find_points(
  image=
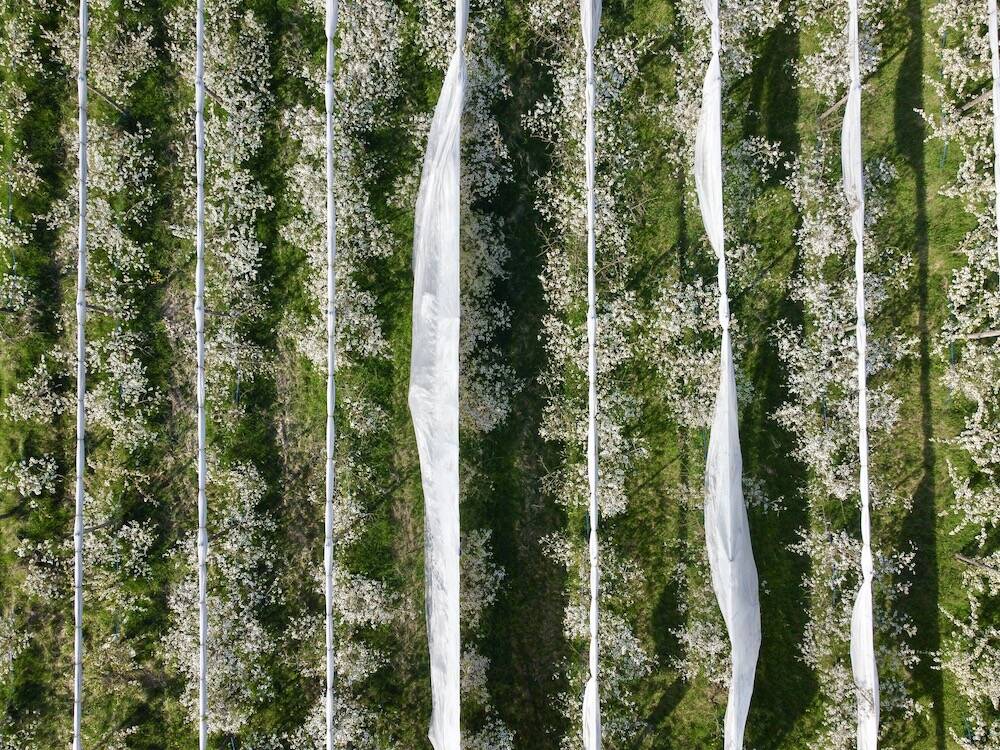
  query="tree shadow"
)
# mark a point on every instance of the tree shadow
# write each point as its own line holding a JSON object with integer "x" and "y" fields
{"x": 919, "y": 525}
{"x": 666, "y": 617}
{"x": 785, "y": 686}
{"x": 523, "y": 631}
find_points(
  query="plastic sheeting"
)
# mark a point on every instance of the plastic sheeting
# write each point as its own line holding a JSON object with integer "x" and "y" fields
{"x": 81, "y": 382}
{"x": 433, "y": 395}
{"x": 590, "y": 22}
{"x": 995, "y": 66}
{"x": 727, "y": 531}
{"x": 331, "y": 367}
{"x": 199, "y": 322}
{"x": 862, "y": 636}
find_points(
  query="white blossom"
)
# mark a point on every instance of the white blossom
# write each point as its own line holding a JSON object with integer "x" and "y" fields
{"x": 971, "y": 651}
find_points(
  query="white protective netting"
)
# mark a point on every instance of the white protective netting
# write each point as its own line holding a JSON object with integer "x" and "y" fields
{"x": 727, "y": 530}
{"x": 81, "y": 384}
{"x": 995, "y": 69}
{"x": 331, "y": 366}
{"x": 433, "y": 394}
{"x": 590, "y": 21}
{"x": 862, "y": 635}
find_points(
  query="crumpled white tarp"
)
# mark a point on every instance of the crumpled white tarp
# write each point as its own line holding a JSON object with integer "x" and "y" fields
{"x": 995, "y": 67}
{"x": 862, "y": 637}
{"x": 727, "y": 531}
{"x": 590, "y": 22}
{"x": 81, "y": 381}
{"x": 434, "y": 387}
{"x": 331, "y": 367}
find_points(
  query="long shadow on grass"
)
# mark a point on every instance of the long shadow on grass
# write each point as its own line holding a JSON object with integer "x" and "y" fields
{"x": 151, "y": 104}
{"x": 525, "y": 641}
{"x": 657, "y": 531}
{"x": 666, "y": 618}
{"x": 784, "y": 685}
{"x": 919, "y": 526}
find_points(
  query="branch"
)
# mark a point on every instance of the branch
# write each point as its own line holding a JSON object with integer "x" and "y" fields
{"x": 976, "y": 102}
{"x": 99, "y": 526}
{"x": 16, "y": 510}
{"x": 983, "y": 335}
{"x": 219, "y": 313}
{"x": 121, "y": 110}
{"x": 833, "y": 108}
{"x": 864, "y": 81}
{"x": 98, "y": 308}
{"x": 216, "y": 98}
{"x": 976, "y": 564}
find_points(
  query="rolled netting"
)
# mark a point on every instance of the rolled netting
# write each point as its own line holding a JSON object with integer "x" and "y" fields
{"x": 331, "y": 365}
{"x": 81, "y": 381}
{"x": 995, "y": 69}
{"x": 199, "y": 318}
{"x": 862, "y": 635}
{"x": 727, "y": 530}
{"x": 433, "y": 396}
{"x": 590, "y": 20}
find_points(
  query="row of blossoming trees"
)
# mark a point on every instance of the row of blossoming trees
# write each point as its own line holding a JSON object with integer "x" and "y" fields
{"x": 664, "y": 651}
{"x": 264, "y": 311}
{"x": 819, "y": 354}
{"x": 126, "y": 396}
{"x": 968, "y": 341}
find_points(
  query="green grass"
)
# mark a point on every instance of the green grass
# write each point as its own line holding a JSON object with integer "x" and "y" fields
{"x": 524, "y": 636}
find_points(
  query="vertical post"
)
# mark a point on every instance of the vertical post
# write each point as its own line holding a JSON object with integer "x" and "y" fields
{"x": 199, "y": 318}
{"x": 81, "y": 382}
{"x": 858, "y": 207}
{"x": 592, "y": 441}
{"x": 995, "y": 69}
{"x": 590, "y": 11}
{"x": 331, "y": 366}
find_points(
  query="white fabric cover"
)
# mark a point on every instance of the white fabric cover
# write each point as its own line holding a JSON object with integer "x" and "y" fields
{"x": 590, "y": 22}
{"x": 727, "y": 531}
{"x": 995, "y": 67}
{"x": 862, "y": 638}
{"x": 199, "y": 321}
{"x": 433, "y": 395}
{"x": 331, "y": 366}
{"x": 81, "y": 382}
